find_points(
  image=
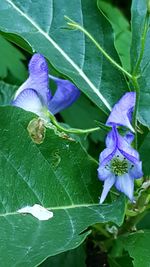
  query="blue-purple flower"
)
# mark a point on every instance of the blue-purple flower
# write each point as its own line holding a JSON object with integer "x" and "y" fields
{"x": 34, "y": 94}
{"x": 119, "y": 163}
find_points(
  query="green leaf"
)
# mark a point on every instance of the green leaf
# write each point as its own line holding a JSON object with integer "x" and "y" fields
{"x": 144, "y": 153}
{"x": 70, "y": 52}
{"x": 139, "y": 10}
{"x": 137, "y": 245}
{"x": 121, "y": 29}
{"x": 18, "y": 40}
{"x": 59, "y": 175}
{"x": 123, "y": 261}
{"x": 11, "y": 60}
{"x": 72, "y": 258}
{"x": 6, "y": 93}
{"x": 144, "y": 223}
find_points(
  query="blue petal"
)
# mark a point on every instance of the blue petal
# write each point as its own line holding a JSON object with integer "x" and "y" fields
{"x": 38, "y": 78}
{"x": 122, "y": 111}
{"x": 111, "y": 139}
{"x": 125, "y": 148}
{"x": 111, "y": 144}
{"x": 107, "y": 186}
{"x": 129, "y": 137}
{"x": 125, "y": 184}
{"x": 136, "y": 172}
{"x": 29, "y": 100}
{"x": 103, "y": 172}
{"x": 65, "y": 95}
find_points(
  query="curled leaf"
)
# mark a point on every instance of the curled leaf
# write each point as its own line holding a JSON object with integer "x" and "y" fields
{"x": 36, "y": 129}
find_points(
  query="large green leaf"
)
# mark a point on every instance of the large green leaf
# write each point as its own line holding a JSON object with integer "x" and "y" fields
{"x": 59, "y": 175}
{"x": 139, "y": 10}
{"x": 137, "y": 245}
{"x": 43, "y": 26}
{"x": 11, "y": 60}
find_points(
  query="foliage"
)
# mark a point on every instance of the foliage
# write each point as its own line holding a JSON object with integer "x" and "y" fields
{"x": 49, "y": 162}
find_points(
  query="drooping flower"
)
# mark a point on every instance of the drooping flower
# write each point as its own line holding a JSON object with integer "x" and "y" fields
{"x": 121, "y": 113}
{"x": 119, "y": 164}
{"x": 34, "y": 94}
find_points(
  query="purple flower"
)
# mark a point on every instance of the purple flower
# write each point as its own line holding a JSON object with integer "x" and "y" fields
{"x": 34, "y": 94}
{"x": 119, "y": 164}
{"x": 121, "y": 113}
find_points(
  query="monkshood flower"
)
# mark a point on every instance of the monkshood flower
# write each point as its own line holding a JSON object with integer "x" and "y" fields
{"x": 34, "y": 94}
{"x": 119, "y": 164}
{"x": 121, "y": 113}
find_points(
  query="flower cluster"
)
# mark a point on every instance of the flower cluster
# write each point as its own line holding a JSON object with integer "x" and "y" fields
{"x": 119, "y": 163}
{"x": 34, "y": 94}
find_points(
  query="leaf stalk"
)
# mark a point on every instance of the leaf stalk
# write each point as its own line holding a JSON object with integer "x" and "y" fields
{"x": 71, "y": 130}
{"x": 77, "y": 26}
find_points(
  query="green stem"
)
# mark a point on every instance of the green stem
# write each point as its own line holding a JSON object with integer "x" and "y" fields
{"x": 79, "y": 27}
{"x": 71, "y": 130}
{"x": 131, "y": 223}
{"x": 138, "y": 211}
{"x": 137, "y": 90}
{"x": 100, "y": 228}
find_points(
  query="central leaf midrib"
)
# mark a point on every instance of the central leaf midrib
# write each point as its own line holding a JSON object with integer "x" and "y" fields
{"x": 54, "y": 208}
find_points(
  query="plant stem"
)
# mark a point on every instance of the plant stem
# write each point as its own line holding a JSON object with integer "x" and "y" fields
{"x": 137, "y": 90}
{"x": 71, "y": 130}
{"x": 131, "y": 223}
{"x": 139, "y": 210}
{"x": 100, "y": 228}
{"x": 111, "y": 60}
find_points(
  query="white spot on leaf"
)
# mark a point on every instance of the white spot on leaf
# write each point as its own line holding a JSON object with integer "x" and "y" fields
{"x": 37, "y": 211}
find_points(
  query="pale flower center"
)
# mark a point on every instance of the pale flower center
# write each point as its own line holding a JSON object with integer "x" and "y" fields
{"x": 119, "y": 166}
